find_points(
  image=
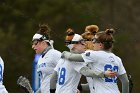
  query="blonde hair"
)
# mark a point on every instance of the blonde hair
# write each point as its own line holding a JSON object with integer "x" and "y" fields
{"x": 88, "y": 35}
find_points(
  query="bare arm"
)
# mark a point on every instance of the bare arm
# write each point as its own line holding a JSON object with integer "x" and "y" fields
{"x": 125, "y": 83}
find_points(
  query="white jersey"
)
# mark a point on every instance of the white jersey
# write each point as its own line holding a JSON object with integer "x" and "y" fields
{"x": 102, "y": 61}
{"x": 68, "y": 76}
{"x": 90, "y": 84}
{"x": 45, "y": 68}
{"x": 2, "y": 87}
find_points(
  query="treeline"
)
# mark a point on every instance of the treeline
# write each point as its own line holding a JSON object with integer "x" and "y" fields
{"x": 19, "y": 20}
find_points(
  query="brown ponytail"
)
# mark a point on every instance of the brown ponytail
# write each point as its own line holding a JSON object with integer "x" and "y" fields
{"x": 44, "y": 30}
{"x": 70, "y": 34}
{"x": 110, "y": 31}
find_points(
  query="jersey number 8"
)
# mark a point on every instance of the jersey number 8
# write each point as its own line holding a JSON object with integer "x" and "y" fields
{"x": 62, "y": 73}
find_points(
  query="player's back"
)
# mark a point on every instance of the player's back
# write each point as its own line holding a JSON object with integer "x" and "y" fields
{"x": 68, "y": 76}
{"x": 108, "y": 61}
{"x": 103, "y": 61}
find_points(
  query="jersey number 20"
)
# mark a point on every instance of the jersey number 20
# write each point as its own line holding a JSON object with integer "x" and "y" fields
{"x": 112, "y": 68}
{"x": 62, "y": 73}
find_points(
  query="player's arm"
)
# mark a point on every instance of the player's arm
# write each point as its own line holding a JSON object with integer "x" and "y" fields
{"x": 53, "y": 81}
{"x": 72, "y": 56}
{"x": 125, "y": 83}
{"x": 91, "y": 73}
{"x": 85, "y": 70}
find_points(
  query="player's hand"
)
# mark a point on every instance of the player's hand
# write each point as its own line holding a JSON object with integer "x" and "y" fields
{"x": 110, "y": 73}
{"x": 78, "y": 91}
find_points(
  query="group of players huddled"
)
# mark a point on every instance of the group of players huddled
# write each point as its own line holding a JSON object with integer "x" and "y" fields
{"x": 90, "y": 54}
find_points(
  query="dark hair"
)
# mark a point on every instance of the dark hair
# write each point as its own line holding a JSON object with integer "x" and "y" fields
{"x": 44, "y": 30}
{"x": 106, "y": 38}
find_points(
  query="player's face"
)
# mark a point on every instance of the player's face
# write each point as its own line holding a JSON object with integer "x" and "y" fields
{"x": 97, "y": 45}
{"x": 37, "y": 46}
{"x": 79, "y": 48}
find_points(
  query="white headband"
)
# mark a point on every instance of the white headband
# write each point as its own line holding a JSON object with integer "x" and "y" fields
{"x": 76, "y": 37}
{"x": 37, "y": 36}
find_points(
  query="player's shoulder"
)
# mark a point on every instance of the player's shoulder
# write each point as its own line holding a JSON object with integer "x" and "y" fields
{"x": 118, "y": 59}
{"x": 54, "y": 50}
{"x": 88, "y": 52}
{"x": 1, "y": 59}
{"x": 92, "y": 52}
{"x": 60, "y": 62}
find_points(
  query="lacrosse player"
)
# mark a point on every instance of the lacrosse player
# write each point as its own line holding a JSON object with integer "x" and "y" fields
{"x": 68, "y": 74}
{"x": 88, "y": 35}
{"x": 42, "y": 44}
{"x": 103, "y": 59}
{"x": 2, "y": 87}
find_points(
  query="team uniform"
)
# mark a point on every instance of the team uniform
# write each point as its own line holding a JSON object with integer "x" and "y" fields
{"x": 2, "y": 87}
{"x": 102, "y": 61}
{"x": 45, "y": 68}
{"x": 90, "y": 84}
{"x": 68, "y": 76}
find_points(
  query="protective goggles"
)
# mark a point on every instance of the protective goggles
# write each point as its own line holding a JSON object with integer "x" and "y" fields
{"x": 67, "y": 42}
{"x": 95, "y": 40}
{"x": 35, "y": 42}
